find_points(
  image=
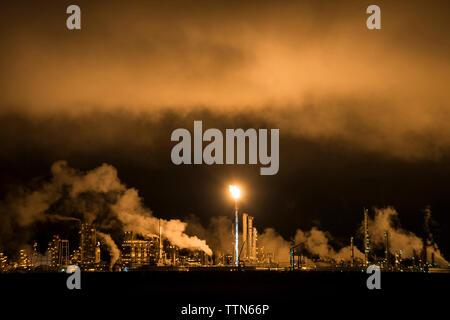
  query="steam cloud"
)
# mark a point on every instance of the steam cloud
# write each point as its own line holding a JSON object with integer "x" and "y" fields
{"x": 96, "y": 197}
{"x": 317, "y": 242}
{"x": 400, "y": 239}
{"x": 112, "y": 247}
{"x": 217, "y": 233}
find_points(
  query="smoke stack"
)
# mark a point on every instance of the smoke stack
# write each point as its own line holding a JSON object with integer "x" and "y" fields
{"x": 254, "y": 238}
{"x": 250, "y": 237}
{"x": 386, "y": 248}
{"x": 366, "y": 238}
{"x": 424, "y": 252}
{"x": 244, "y": 235}
{"x": 160, "y": 244}
{"x": 352, "y": 261}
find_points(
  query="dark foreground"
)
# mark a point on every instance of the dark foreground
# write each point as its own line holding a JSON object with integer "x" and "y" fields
{"x": 287, "y": 293}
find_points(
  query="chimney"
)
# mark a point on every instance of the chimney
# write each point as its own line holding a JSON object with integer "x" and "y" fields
{"x": 250, "y": 237}
{"x": 366, "y": 238}
{"x": 254, "y": 238}
{"x": 386, "y": 248}
{"x": 244, "y": 235}
{"x": 160, "y": 243}
{"x": 352, "y": 261}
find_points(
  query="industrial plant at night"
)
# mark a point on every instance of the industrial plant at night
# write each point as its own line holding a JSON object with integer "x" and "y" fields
{"x": 140, "y": 253}
{"x": 238, "y": 159}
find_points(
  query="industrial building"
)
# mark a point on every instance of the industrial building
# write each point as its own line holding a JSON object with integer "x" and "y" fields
{"x": 89, "y": 247}
{"x": 249, "y": 239}
{"x": 58, "y": 252}
{"x": 138, "y": 253}
{"x": 155, "y": 252}
{"x": 388, "y": 260}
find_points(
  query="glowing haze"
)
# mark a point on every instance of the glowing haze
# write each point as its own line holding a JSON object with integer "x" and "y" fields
{"x": 313, "y": 69}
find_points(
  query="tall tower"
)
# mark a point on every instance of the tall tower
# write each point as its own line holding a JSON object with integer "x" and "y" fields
{"x": 244, "y": 235}
{"x": 424, "y": 252}
{"x": 366, "y": 238}
{"x": 250, "y": 237}
{"x": 160, "y": 255}
{"x": 63, "y": 254}
{"x": 88, "y": 244}
{"x": 386, "y": 248}
{"x": 352, "y": 261}
{"x": 236, "y": 234}
{"x": 254, "y": 238}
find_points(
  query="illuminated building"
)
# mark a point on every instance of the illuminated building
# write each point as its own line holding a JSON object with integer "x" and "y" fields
{"x": 24, "y": 260}
{"x": 138, "y": 253}
{"x": 35, "y": 257}
{"x": 89, "y": 254}
{"x": 3, "y": 261}
{"x": 161, "y": 257}
{"x": 250, "y": 236}
{"x": 254, "y": 239}
{"x": 244, "y": 254}
{"x": 75, "y": 257}
{"x": 58, "y": 250}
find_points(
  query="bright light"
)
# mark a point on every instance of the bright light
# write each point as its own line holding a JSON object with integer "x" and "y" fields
{"x": 235, "y": 192}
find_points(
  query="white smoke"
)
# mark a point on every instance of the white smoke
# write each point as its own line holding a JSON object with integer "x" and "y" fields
{"x": 124, "y": 204}
{"x": 112, "y": 247}
{"x": 400, "y": 239}
{"x": 139, "y": 219}
{"x": 317, "y": 243}
{"x": 274, "y": 243}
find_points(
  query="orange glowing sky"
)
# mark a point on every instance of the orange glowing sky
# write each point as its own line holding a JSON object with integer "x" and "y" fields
{"x": 307, "y": 67}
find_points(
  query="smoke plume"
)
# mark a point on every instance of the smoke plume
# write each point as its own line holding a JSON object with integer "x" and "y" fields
{"x": 217, "y": 233}
{"x": 139, "y": 219}
{"x": 400, "y": 239}
{"x": 96, "y": 197}
{"x": 112, "y": 247}
{"x": 273, "y": 242}
{"x": 317, "y": 243}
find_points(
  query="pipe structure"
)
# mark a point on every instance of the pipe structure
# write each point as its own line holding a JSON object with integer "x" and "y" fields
{"x": 386, "y": 248}
{"x": 244, "y": 235}
{"x": 366, "y": 238}
{"x": 254, "y": 238}
{"x": 236, "y": 233}
{"x": 352, "y": 261}
{"x": 160, "y": 258}
{"x": 250, "y": 237}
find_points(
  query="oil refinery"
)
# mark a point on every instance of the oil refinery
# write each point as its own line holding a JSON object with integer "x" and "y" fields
{"x": 156, "y": 252}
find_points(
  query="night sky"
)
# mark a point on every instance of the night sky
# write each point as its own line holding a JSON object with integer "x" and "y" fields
{"x": 363, "y": 115}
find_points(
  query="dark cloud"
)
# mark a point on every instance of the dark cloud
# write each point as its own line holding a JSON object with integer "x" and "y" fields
{"x": 313, "y": 68}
